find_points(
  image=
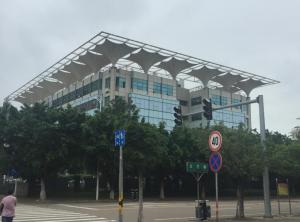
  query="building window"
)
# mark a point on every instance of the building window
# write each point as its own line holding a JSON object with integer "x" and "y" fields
{"x": 120, "y": 82}
{"x": 106, "y": 100}
{"x": 183, "y": 102}
{"x": 197, "y": 116}
{"x": 167, "y": 89}
{"x": 215, "y": 99}
{"x": 87, "y": 89}
{"x": 235, "y": 101}
{"x": 196, "y": 101}
{"x": 72, "y": 95}
{"x": 139, "y": 84}
{"x": 97, "y": 84}
{"x": 79, "y": 92}
{"x": 107, "y": 83}
{"x": 157, "y": 87}
{"x": 224, "y": 101}
{"x": 92, "y": 104}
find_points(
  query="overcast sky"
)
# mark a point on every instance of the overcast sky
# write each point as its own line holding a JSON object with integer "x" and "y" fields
{"x": 258, "y": 36}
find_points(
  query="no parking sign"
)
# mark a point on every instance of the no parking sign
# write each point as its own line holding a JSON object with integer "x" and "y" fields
{"x": 215, "y": 162}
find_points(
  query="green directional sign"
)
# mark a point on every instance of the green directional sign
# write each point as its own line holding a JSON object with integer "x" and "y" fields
{"x": 192, "y": 167}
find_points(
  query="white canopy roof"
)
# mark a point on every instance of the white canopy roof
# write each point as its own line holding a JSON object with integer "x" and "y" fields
{"x": 22, "y": 100}
{"x": 175, "y": 66}
{"x": 94, "y": 61}
{"x": 39, "y": 92}
{"x": 65, "y": 77}
{"x": 30, "y": 97}
{"x": 50, "y": 86}
{"x": 146, "y": 59}
{"x": 204, "y": 74}
{"x": 120, "y": 52}
{"x": 248, "y": 85}
{"x": 79, "y": 70}
{"x": 232, "y": 89}
{"x": 227, "y": 80}
{"x": 113, "y": 51}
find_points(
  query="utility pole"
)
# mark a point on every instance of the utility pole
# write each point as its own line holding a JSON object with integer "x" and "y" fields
{"x": 266, "y": 181}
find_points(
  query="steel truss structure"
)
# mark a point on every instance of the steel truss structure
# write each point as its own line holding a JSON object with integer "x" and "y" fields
{"x": 105, "y": 50}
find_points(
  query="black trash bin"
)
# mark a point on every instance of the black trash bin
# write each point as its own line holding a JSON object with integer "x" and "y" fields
{"x": 202, "y": 210}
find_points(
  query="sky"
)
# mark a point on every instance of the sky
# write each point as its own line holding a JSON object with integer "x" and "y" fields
{"x": 262, "y": 37}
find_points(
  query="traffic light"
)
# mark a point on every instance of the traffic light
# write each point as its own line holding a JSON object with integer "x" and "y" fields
{"x": 207, "y": 109}
{"x": 178, "y": 115}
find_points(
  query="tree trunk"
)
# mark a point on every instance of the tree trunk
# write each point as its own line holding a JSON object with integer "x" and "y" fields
{"x": 240, "y": 201}
{"x": 141, "y": 187}
{"x": 97, "y": 182}
{"x": 162, "y": 189}
{"x": 43, "y": 190}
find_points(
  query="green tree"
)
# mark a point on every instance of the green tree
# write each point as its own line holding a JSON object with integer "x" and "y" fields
{"x": 99, "y": 137}
{"x": 242, "y": 159}
{"x": 44, "y": 141}
{"x": 143, "y": 151}
{"x": 188, "y": 144}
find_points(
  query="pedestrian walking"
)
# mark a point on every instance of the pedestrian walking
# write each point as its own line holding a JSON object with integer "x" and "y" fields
{"x": 7, "y": 207}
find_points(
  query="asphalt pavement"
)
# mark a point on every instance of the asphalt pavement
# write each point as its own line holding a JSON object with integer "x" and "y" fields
{"x": 154, "y": 211}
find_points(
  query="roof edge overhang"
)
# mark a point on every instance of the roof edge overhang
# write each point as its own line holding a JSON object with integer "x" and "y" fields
{"x": 130, "y": 65}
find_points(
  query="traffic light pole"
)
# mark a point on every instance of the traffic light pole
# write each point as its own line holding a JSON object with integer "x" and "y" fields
{"x": 266, "y": 182}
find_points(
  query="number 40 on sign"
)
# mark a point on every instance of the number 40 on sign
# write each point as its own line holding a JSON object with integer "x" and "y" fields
{"x": 215, "y": 141}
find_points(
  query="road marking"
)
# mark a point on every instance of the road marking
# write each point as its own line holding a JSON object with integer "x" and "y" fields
{"x": 73, "y": 206}
{"x": 29, "y": 213}
{"x": 174, "y": 218}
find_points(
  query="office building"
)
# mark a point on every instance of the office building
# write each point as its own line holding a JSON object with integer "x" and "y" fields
{"x": 155, "y": 79}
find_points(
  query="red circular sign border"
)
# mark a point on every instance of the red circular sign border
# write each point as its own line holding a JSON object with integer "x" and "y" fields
{"x": 220, "y": 146}
{"x": 220, "y": 166}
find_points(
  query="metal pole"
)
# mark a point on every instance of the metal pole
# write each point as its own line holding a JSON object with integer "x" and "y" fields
{"x": 198, "y": 193}
{"x": 278, "y": 200}
{"x": 97, "y": 181}
{"x": 217, "y": 197}
{"x": 266, "y": 182}
{"x": 287, "y": 182}
{"x": 121, "y": 185}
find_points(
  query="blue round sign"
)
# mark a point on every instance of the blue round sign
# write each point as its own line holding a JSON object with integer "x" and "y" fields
{"x": 215, "y": 162}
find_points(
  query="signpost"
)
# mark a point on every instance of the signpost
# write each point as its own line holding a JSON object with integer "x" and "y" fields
{"x": 197, "y": 169}
{"x": 120, "y": 141}
{"x": 283, "y": 190}
{"x": 215, "y": 161}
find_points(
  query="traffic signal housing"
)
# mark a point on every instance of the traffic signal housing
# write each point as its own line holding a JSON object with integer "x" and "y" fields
{"x": 207, "y": 108}
{"x": 178, "y": 115}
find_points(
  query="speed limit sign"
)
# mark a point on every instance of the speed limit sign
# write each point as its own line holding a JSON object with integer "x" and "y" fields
{"x": 215, "y": 141}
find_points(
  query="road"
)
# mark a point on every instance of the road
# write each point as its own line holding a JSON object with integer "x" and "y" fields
{"x": 172, "y": 211}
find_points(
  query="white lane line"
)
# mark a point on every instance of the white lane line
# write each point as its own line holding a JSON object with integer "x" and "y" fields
{"x": 58, "y": 218}
{"x": 174, "y": 218}
{"x": 73, "y": 206}
{"x": 48, "y": 216}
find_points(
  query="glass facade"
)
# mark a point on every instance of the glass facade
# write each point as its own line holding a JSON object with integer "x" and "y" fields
{"x": 139, "y": 84}
{"x": 155, "y": 110}
{"x": 120, "y": 82}
{"x": 229, "y": 118}
{"x": 77, "y": 93}
{"x": 196, "y": 101}
{"x": 235, "y": 101}
{"x": 107, "y": 83}
{"x": 216, "y": 100}
{"x": 164, "y": 89}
